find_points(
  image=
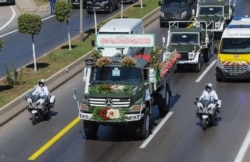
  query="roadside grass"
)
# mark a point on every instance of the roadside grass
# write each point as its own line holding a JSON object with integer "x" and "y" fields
{"x": 58, "y": 58}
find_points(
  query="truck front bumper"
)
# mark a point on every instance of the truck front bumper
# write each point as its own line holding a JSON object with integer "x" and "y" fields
{"x": 221, "y": 73}
{"x": 129, "y": 118}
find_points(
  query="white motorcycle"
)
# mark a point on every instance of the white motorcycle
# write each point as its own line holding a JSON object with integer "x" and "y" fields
{"x": 39, "y": 107}
{"x": 207, "y": 111}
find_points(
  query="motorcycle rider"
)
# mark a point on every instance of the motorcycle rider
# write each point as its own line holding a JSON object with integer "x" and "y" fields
{"x": 209, "y": 94}
{"x": 42, "y": 91}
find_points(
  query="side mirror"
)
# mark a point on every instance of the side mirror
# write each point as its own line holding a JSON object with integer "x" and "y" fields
{"x": 215, "y": 50}
{"x": 159, "y": 3}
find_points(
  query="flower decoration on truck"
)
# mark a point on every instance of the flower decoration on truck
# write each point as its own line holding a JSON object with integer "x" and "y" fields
{"x": 103, "y": 61}
{"x": 105, "y": 113}
{"x": 169, "y": 63}
{"x": 128, "y": 62}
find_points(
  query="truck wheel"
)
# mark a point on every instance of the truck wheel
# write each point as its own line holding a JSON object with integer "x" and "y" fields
{"x": 219, "y": 78}
{"x": 206, "y": 55}
{"x": 143, "y": 127}
{"x": 90, "y": 128}
{"x": 197, "y": 67}
{"x": 163, "y": 106}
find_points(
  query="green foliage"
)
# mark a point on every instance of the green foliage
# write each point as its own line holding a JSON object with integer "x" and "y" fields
{"x": 63, "y": 11}
{"x": 12, "y": 76}
{"x": 29, "y": 23}
{"x": 1, "y": 43}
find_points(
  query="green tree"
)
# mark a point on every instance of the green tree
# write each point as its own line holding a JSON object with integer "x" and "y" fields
{"x": 62, "y": 12}
{"x": 30, "y": 24}
{"x": 1, "y": 43}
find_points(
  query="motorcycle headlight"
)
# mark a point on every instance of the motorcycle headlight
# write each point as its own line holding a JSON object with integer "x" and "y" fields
{"x": 217, "y": 25}
{"x": 191, "y": 55}
{"x": 183, "y": 14}
{"x": 162, "y": 14}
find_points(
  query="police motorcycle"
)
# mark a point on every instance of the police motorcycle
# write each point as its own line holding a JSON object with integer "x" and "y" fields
{"x": 207, "y": 111}
{"x": 39, "y": 106}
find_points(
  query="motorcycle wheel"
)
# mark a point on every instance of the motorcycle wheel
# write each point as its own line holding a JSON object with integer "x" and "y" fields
{"x": 204, "y": 124}
{"x": 33, "y": 119}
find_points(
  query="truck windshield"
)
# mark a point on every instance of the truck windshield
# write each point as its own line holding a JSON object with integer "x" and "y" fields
{"x": 211, "y": 11}
{"x": 184, "y": 39}
{"x": 235, "y": 45}
{"x": 119, "y": 75}
{"x": 175, "y": 2}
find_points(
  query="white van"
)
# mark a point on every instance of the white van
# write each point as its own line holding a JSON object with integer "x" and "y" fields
{"x": 122, "y": 26}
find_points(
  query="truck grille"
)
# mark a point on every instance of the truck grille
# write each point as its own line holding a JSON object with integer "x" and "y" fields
{"x": 109, "y": 102}
{"x": 235, "y": 68}
{"x": 184, "y": 55}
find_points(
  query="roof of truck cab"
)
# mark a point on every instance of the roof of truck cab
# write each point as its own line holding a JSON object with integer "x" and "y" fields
{"x": 185, "y": 30}
{"x": 120, "y": 25}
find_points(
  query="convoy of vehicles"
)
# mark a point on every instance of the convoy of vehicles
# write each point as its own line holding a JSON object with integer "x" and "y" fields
{"x": 192, "y": 43}
{"x": 234, "y": 51}
{"x": 174, "y": 10}
{"x": 220, "y": 12}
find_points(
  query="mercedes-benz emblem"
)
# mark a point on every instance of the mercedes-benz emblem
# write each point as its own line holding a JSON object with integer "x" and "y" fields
{"x": 108, "y": 102}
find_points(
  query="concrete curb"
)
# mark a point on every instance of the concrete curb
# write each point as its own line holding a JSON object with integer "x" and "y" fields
{"x": 19, "y": 105}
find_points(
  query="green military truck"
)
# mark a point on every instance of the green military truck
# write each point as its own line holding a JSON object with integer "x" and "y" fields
{"x": 193, "y": 43}
{"x": 123, "y": 89}
{"x": 220, "y": 12}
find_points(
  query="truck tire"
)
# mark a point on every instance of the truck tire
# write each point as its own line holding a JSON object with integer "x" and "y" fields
{"x": 206, "y": 55}
{"x": 163, "y": 104}
{"x": 90, "y": 129}
{"x": 143, "y": 126}
{"x": 197, "y": 67}
{"x": 219, "y": 78}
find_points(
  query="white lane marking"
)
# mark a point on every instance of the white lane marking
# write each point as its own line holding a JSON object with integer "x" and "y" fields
{"x": 17, "y": 30}
{"x": 164, "y": 120}
{"x": 11, "y": 19}
{"x": 205, "y": 71}
{"x": 243, "y": 148}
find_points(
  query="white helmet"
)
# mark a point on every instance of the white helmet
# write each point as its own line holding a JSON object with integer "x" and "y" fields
{"x": 209, "y": 86}
{"x": 41, "y": 82}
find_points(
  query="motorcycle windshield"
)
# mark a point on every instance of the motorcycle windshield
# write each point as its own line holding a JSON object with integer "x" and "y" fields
{"x": 205, "y": 103}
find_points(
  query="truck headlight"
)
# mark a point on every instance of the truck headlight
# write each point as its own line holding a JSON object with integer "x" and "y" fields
{"x": 183, "y": 14}
{"x": 162, "y": 14}
{"x": 219, "y": 64}
{"x": 217, "y": 25}
{"x": 191, "y": 55}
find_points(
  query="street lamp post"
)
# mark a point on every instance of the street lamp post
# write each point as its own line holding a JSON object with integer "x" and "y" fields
{"x": 81, "y": 21}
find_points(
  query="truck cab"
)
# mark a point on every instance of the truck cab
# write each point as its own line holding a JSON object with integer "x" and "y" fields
{"x": 192, "y": 43}
{"x": 121, "y": 26}
{"x": 219, "y": 11}
{"x": 176, "y": 10}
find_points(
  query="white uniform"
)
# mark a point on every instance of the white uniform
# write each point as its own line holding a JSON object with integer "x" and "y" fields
{"x": 212, "y": 95}
{"x": 42, "y": 91}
